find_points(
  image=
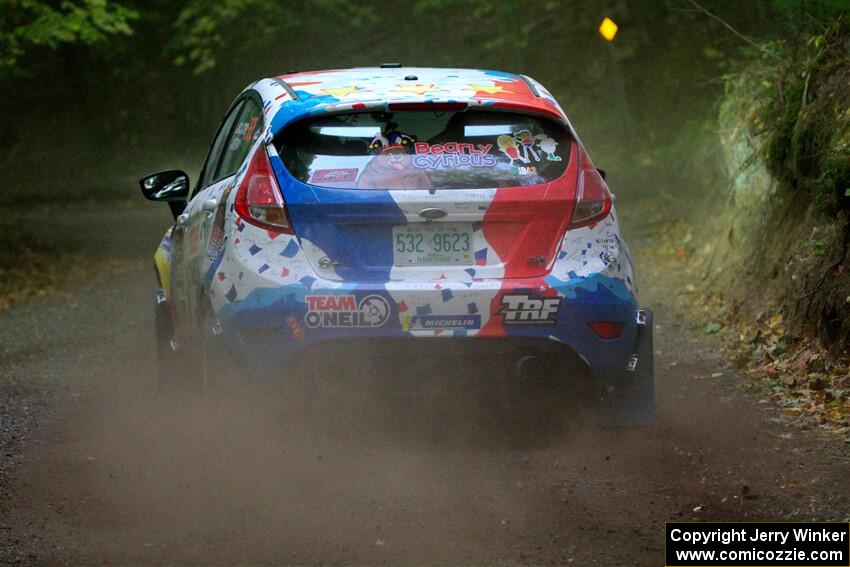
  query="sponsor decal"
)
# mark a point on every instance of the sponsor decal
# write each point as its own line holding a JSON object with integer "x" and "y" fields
{"x": 523, "y": 309}
{"x": 451, "y": 148}
{"x": 522, "y": 170}
{"x": 438, "y": 322}
{"x": 194, "y": 239}
{"x": 339, "y": 175}
{"x": 216, "y": 242}
{"x": 245, "y": 132}
{"x": 249, "y": 131}
{"x": 344, "y": 311}
{"x": 452, "y": 154}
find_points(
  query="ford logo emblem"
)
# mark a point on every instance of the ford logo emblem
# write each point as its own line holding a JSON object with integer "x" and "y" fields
{"x": 432, "y": 213}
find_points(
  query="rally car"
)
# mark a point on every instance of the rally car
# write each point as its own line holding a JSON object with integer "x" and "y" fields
{"x": 392, "y": 207}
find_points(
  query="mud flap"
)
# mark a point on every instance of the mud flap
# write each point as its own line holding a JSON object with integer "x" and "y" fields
{"x": 630, "y": 402}
{"x": 166, "y": 358}
{"x": 181, "y": 362}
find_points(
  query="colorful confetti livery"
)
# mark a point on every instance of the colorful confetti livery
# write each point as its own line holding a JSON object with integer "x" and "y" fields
{"x": 277, "y": 257}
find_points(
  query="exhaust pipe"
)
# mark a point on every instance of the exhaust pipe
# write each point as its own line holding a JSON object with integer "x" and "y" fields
{"x": 530, "y": 369}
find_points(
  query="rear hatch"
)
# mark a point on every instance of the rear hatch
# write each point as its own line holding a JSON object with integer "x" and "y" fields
{"x": 413, "y": 194}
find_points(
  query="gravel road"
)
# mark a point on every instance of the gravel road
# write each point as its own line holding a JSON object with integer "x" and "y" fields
{"x": 96, "y": 468}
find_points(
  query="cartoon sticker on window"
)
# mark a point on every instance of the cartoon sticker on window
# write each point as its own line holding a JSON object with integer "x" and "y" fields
{"x": 508, "y": 146}
{"x": 548, "y": 145}
{"x": 526, "y": 143}
{"x": 391, "y": 141}
{"x": 392, "y": 167}
{"x": 523, "y": 147}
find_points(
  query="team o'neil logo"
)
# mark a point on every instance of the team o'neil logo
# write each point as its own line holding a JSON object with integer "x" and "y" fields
{"x": 522, "y": 309}
{"x": 344, "y": 311}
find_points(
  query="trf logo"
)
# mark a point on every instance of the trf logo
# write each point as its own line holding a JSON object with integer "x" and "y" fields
{"x": 522, "y": 309}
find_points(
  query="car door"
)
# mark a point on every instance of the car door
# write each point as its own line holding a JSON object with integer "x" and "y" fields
{"x": 187, "y": 235}
{"x": 204, "y": 206}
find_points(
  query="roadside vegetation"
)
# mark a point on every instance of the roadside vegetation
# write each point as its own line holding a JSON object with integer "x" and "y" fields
{"x": 767, "y": 267}
{"x": 29, "y": 270}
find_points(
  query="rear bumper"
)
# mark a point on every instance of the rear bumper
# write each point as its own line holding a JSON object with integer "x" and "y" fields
{"x": 272, "y": 325}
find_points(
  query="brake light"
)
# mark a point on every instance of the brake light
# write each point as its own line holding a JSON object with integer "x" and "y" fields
{"x": 259, "y": 200}
{"x": 593, "y": 200}
{"x": 399, "y": 106}
{"x": 607, "y": 330}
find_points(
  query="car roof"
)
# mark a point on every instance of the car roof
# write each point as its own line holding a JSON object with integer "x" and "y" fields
{"x": 292, "y": 96}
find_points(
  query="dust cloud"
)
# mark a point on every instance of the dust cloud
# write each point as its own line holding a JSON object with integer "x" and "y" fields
{"x": 351, "y": 457}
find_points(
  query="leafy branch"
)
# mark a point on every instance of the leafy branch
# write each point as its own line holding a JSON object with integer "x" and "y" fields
{"x": 726, "y": 24}
{"x": 26, "y": 24}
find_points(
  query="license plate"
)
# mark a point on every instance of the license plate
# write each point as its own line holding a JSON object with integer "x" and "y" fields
{"x": 432, "y": 244}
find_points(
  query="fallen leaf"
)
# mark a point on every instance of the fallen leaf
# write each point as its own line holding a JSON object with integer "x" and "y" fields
{"x": 712, "y": 328}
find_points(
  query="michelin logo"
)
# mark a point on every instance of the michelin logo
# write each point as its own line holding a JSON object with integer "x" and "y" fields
{"x": 432, "y": 322}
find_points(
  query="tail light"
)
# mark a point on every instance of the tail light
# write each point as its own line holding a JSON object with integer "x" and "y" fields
{"x": 259, "y": 200}
{"x": 593, "y": 200}
{"x": 607, "y": 330}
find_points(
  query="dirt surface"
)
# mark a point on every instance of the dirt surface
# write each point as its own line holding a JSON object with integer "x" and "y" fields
{"x": 97, "y": 468}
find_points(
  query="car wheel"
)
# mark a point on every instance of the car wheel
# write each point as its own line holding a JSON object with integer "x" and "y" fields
{"x": 632, "y": 403}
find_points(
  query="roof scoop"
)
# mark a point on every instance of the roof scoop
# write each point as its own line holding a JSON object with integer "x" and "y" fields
{"x": 390, "y": 66}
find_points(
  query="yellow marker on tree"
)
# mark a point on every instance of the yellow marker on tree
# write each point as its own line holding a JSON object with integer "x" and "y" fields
{"x": 608, "y": 29}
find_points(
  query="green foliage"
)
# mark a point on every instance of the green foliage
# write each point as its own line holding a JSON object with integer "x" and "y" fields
{"x": 818, "y": 246}
{"x": 29, "y": 269}
{"x": 207, "y": 28}
{"x": 25, "y": 24}
{"x": 808, "y": 119}
{"x": 816, "y": 8}
{"x": 789, "y": 121}
{"x": 501, "y": 25}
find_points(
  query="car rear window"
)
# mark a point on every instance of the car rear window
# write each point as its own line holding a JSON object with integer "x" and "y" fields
{"x": 425, "y": 150}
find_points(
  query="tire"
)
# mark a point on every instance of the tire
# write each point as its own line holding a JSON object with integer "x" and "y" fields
{"x": 632, "y": 403}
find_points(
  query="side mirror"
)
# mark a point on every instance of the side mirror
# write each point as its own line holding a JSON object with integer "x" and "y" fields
{"x": 171, "y": 185}
{"x": 602, "y": 173}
